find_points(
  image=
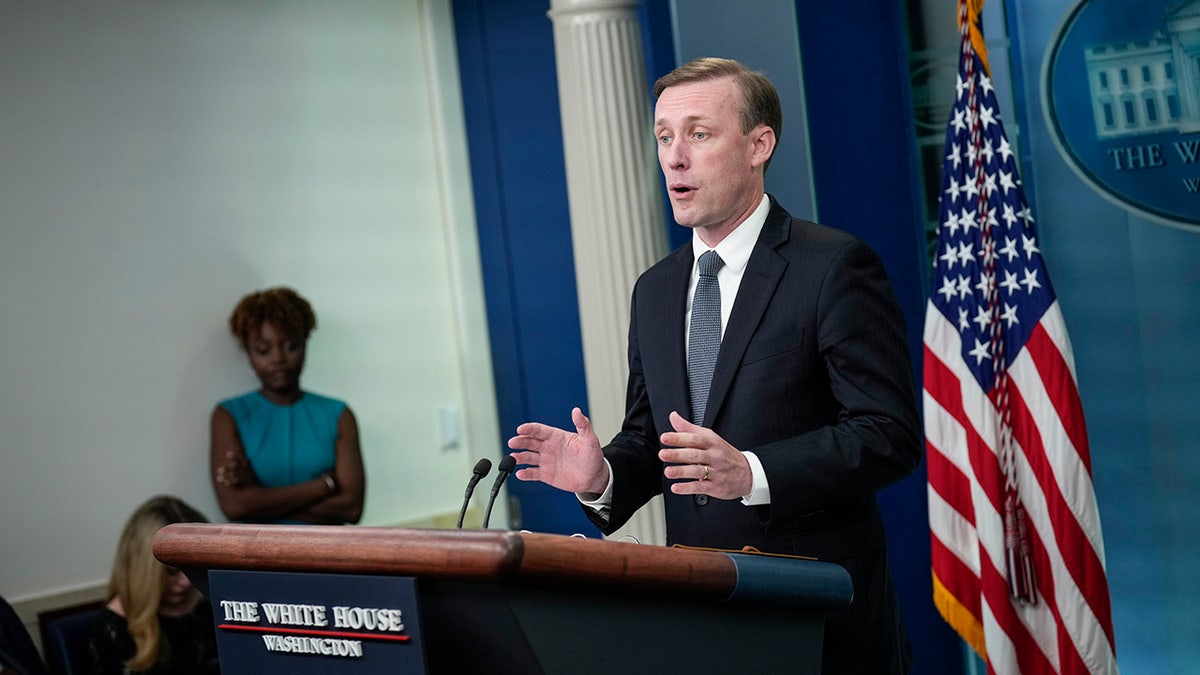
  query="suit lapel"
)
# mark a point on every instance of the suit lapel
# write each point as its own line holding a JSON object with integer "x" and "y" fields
{"x": 675, "y": 323}
{"x": 763, "y": 272}
{"x": 673, "y": 330}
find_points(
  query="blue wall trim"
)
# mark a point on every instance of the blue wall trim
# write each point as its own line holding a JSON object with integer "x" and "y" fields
{"x": 510, "y": 99}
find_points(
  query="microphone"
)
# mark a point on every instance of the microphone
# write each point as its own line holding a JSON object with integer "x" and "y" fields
{"x": 482, "y": 467}
{"x": 506, "y": 467}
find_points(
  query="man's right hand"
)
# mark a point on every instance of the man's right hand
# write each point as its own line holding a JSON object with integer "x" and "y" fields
{"x": 559, "y": 458}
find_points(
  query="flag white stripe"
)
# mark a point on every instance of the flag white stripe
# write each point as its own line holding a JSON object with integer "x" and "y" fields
{"x": 956, "y": 533}
{"x": 1052, "y": 321}
{"x": 1001, "y": 652}
{"x": 1070, "y": 474}
{"x": 1077, "y": 615}
{"x": 948, "y": 436}
{"x": 1074, "y": 484}
{"x": 941, "y": 338}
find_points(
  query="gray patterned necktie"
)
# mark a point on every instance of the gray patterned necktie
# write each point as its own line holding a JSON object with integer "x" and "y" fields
{"x": 704, "y": 336}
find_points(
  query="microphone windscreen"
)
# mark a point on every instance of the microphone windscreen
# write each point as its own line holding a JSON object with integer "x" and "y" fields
{"x": 507, "y": 464}
{"x": 482, "y": 467}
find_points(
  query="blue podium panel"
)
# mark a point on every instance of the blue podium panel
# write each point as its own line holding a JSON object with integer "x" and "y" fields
{"x": 279, "y": 622}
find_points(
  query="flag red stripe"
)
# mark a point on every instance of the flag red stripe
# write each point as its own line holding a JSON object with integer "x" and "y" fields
{"x": 1060, "y": 385}
{"x": 950, "y": 483}
{"x": 944, "y": 387}
{"x": 1079, "y": 557}
{"x": 956, "y": 577}
{"x": 1070, "y": 659}
{"x": 1030, "y": 658}
{"x": 1081, "y": 561}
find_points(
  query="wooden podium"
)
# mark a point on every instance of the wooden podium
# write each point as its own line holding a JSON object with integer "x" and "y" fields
{"x": 507, "y": 602}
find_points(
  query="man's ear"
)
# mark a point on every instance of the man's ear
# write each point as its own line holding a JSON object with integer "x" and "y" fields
{"x": 763, "y": 138}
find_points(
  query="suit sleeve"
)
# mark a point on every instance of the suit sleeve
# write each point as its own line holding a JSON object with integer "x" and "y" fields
{"x": 870, "y": 437}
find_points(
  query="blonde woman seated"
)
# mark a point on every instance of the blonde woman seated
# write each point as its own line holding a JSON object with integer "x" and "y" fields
{"x": 155, "y": 622}
{"x": 281, "y": 454}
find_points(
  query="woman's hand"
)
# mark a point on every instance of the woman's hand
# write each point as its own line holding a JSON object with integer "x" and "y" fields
{"x": 233, "y": 471}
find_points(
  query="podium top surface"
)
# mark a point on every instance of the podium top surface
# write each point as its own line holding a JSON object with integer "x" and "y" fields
{"x": 506, "y": 557}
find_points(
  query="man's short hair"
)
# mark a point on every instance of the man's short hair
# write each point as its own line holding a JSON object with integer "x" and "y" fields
{"x": 760, "y": 101}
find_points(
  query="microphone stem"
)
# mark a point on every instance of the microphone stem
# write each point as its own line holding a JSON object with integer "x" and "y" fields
{"x": 507, "y": 465}
{"x": 487, "y": 515}
{"x": 467, "y": 498}
{"x": 462, "y": 512}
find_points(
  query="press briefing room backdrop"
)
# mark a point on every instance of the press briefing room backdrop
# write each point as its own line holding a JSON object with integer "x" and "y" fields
{"x": 401, "y": 163}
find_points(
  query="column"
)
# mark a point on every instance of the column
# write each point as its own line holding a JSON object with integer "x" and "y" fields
{"x": 613, "y": 186}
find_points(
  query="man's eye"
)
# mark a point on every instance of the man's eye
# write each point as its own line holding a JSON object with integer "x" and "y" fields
{"x": 663, "y": 140}
{"x": 700, "y": 135}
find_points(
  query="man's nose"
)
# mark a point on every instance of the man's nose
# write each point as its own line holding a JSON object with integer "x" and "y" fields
{"x": 675, "y": 156}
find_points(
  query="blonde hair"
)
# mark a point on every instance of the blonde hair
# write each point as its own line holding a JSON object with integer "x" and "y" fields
{"x": 138, "y": 577}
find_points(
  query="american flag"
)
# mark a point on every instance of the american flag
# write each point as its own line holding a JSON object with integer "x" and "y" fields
{"x": 1017, "y": 551}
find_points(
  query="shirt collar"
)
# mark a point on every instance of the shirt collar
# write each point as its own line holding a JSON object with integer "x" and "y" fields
{"x": 736, "y": 247}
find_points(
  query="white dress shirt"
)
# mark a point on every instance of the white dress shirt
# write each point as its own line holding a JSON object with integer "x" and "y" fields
{"x": 735, "y": 251}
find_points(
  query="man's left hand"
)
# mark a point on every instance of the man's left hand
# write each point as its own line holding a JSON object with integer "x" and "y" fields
{"x": 704, "y": 461}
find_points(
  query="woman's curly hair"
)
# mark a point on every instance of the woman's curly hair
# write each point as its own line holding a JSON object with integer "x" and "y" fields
{"x": 281, "y": 307}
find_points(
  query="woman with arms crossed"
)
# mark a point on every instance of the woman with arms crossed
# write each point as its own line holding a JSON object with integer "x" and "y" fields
{"x": 281, "y": 454}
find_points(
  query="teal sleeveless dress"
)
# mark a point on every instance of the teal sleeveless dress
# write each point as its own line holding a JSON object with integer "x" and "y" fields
{"x": 286, "y": 444}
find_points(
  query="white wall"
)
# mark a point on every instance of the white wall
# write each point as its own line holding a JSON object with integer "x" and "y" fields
{"x": 161, "y": 158}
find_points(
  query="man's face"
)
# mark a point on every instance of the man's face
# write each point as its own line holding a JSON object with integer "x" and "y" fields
{"x": 712, "y": 169}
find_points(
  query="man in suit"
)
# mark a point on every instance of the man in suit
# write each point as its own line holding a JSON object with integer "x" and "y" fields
{"x": 810, "y": 406}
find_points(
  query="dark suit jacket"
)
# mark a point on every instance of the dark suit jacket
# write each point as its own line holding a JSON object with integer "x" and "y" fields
{"x": 17, "y": 652}
{"x": 814, "y": 377}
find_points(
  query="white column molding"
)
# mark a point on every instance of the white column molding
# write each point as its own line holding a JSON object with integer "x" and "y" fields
{"x": 612, "y": 184}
